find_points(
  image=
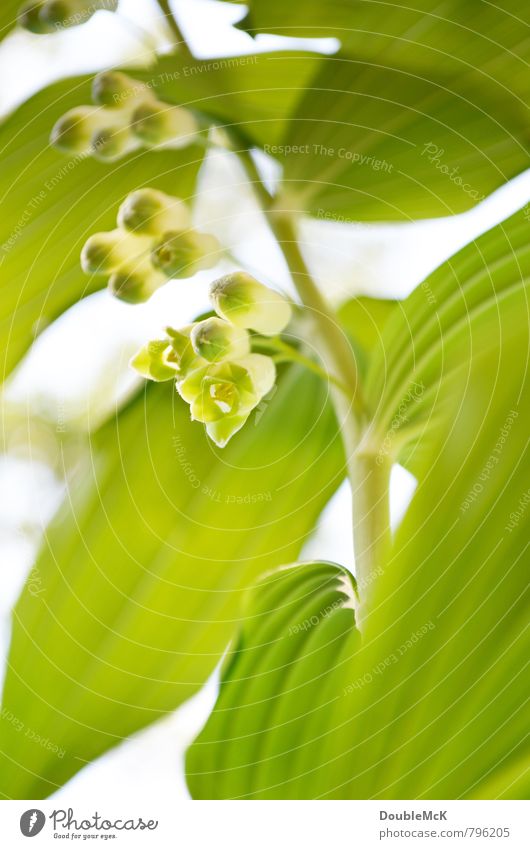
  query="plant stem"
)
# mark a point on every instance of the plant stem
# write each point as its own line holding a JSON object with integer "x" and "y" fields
{"x": 369, "y": 474}
{"x": 173, "y": 24}
{"x": 336, "y": 349}
{"x": 370, "y": 478}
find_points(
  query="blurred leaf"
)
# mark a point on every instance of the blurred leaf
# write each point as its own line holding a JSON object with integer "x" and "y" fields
{"x": 51, "y": 203}
{"x": 422, "y": 114}
{"x": 364, "y": 319}
{"x": 470, "y": 304}
{"x": 433, "y": 704}
{"x": 377, "y": 143}
{"x": 420, "y": 36}
{"x": 8, "y": 16}
{"x": 255, "y": 94}
{"x": 134, "y": 595}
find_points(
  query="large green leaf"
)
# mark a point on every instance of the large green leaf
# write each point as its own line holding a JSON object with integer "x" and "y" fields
{"x": 422, "y": 113}
{"x": 254, "y": 94}
{"x": 51, "y": 203}
{"x": 134, "y": 595}
{"x": 432, "y": 705}
{"x": 371, "y": 142}
{"x": 471, "y": 303}
{"x": 418, "y": 36}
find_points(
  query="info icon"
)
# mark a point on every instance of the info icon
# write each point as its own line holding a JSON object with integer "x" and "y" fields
{"x": 31, "y": 822}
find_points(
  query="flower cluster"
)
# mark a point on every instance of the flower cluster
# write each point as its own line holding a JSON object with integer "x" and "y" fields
{"x": 215, "y": 370}
{"x": 153, "y": 242}
{"x": 45, "y": 16}
{"x": 126, "y": 116}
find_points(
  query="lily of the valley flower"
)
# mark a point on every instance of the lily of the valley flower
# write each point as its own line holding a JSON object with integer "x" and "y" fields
{"x": 211, "y": 360}
{"x": 222, "y": 395}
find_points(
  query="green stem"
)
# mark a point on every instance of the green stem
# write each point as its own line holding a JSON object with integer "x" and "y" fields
{"x": 370, "y": 478}
{"x": 336, "y": 349}
{"x": 368, "y": 474}
{"x": 180, "y": 38}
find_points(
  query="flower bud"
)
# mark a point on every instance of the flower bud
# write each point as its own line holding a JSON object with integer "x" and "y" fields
{"x": 183, "y": 254}
{"x": 215, "y": 340}
{"x": 154, "y": 122}
{"x": 60, "y": 14}
{"x": 240, "y": 299}
{"x": 154, "y": 361}
{"x": 114, "y": 90}
{"x": 73, "y": 132}
{"x": 105, "y": 252}
{"x": 29, "y": 17}
{"x": 109, "y": 143}
{"x": 154, "y": 212}
{"x": 134, "y": 283}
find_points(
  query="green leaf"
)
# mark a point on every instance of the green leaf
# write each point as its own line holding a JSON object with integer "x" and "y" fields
{"x": 420, "y": 115}
{"x": 51, "y": 203}
{"x": 134, "y": 595}
{"x": 419, "y": 36}
{"x": 371, "y": 142}
{"x": 364, "y": 319}
{"x": 254, "y": 94}
{"x": 470, "y": 304}
{"x": 8, "y": 16}
{"x": 432, "y": 705}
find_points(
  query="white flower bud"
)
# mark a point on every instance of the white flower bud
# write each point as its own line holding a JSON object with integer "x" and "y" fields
{"x": 29, "y": 17}
{"x": 245, "y": 302}
{"x": 109, "y": 143}
{"x": 216, "y": 340}
{"x": 115, "y": 90}
{"x": 73, "y": 132}
{"x": 156, "y": 123}
{"x": 105, "y": 252}
{"x": 183, "y": 254}
{"x": 135, "y": 282}
{"x": 154, "y": 212}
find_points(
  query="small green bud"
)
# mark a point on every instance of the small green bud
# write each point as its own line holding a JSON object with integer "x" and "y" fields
{"x": 109, "y": 143}
{"x": 245, "y": 302}
{"x": 154, "y": 212}
{"x": 57, "y": 14}
{"x": 154, "y": 361}
{"x": 73, "y": 132}
{"x": 135, "y": 283}
{"x": 114, "y": 90}
{"x": 60, "y": 14}
{"x": 29, "y": 17}
{"x": 215, "y": 340}
{"x": 154, "y": 122}
{"x": 222, "y": 395}
{"x": 183, "y": 254}
{"x": 106, "y": 252}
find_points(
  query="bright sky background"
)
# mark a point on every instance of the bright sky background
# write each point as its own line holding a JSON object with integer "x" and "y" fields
{"x": 384, "y": 260}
